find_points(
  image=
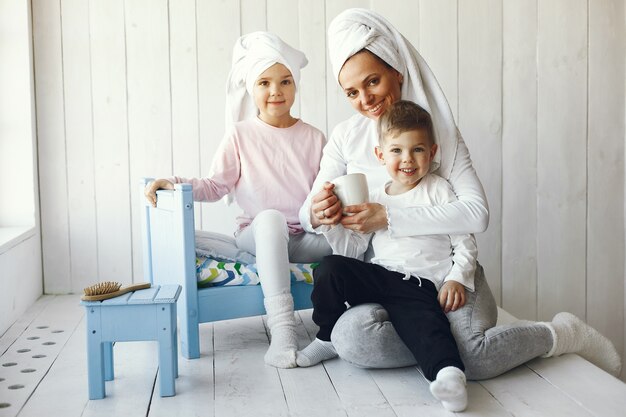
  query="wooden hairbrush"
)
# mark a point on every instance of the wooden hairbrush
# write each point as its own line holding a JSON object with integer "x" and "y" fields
{"x": 109, "y": 289}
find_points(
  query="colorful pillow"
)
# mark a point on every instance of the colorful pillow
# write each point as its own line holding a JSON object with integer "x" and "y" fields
{"x": 211, "y": 272}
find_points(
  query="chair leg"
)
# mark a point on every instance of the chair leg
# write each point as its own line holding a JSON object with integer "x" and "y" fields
{"x": 95, "y": 355}
{"x": 108, "y": 361}
{"x": 189, "y": 330}
{"x": 167, "y": 349}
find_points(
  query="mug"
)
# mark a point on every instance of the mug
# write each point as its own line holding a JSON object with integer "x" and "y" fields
{"x": 351, "y": 189}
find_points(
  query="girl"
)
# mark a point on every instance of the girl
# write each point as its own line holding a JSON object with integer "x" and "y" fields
{"x": 267, "y": 161}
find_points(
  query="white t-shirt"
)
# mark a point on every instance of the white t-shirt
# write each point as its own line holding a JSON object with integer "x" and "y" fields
{"x": 438, "y": 257}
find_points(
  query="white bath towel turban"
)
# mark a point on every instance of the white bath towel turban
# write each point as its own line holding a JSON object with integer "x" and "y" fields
{"x": 254, "y": 53}
{"x": 357, "y": 29}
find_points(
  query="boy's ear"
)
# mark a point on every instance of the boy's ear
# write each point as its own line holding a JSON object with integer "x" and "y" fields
{"x": 433, "y": 151}
{"x": 379, "y": 154}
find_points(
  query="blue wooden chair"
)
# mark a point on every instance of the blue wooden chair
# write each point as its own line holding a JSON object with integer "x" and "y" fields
{"x": 169, "y": 257}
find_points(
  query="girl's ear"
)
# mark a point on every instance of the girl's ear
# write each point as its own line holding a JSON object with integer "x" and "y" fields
{"x": 379, "y": 154}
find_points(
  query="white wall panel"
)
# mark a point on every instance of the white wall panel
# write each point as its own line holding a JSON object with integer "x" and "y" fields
{"x": 79, "y": 142}
{"x": 313, "y": 77}
{"x": 253, "y": 15}
{"x": 561, "y": 157}
{"x": 605, "y": 171}
{"x": 110, "y": 137}
{"x": 519, "y": 159}
{"x": 438, "y": 44}
{"x": 218, "y": 28}
{"x": 149, "y": 101}
{"x": 47, "y": 53}
{"x": 480, "y": 118}
{"x": 184, "y": 90}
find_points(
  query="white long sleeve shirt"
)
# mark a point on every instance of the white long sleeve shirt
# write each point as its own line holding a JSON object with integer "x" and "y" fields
{"x": 438, "y": 258}
{"x": 351, "y": 149}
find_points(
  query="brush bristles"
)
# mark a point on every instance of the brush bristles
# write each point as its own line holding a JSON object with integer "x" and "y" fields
{"x": 105, "y": 287}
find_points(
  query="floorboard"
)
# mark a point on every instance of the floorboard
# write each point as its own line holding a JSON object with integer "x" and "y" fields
{"x": 309, "y": 391}
{"x": 47, "y": 346}
{"x": 31, "y": 355}
{"x": 244, "y": 385}
{"x": 355, "y": 387}
{"x": 195, "y": 395}
{"x": 587, "y": 385}
{"x": 14, "y": 332}
{"x": 524, "y": 393}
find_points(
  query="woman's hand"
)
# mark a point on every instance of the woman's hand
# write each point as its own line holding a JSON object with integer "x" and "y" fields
{"x": 367, "y": 218}
{"x": 153, "y": 186}
{"x": 325, "y": 207}
{"x": 451, "y": 296}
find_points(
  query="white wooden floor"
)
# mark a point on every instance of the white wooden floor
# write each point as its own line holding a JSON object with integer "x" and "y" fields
{"x": 43, "y": 373}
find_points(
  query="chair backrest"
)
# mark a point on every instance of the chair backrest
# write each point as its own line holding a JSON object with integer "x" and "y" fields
{"x": 168, "y": 236}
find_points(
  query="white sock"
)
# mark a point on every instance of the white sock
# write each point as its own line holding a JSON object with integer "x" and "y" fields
{"x": 572, "y": 335}
{"x": 315, "y": 353}
{"x": 449, "y": 388}
{"x": 283, "y": 337}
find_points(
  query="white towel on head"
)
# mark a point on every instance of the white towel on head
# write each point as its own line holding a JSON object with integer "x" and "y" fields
{"x": 356, "y": 29}
{"x": 254, "y": 53}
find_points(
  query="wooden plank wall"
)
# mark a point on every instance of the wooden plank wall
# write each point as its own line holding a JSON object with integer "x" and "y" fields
{"x": 127, "y": 88}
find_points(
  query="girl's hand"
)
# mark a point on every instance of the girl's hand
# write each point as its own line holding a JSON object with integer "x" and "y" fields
{"x": 367, "y": 218}
{"x": 451, "y": 296}
{"x": 325, "y": 207}
{"x": 153, "y": 186}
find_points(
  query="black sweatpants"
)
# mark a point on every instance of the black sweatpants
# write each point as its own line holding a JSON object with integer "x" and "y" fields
{"x": 413, "y": 309}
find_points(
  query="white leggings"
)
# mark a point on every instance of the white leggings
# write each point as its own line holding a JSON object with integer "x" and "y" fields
{"x": 267, "y": 237}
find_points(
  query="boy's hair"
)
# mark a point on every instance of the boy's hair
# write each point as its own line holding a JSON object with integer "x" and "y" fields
{"x": 404, "y": 116}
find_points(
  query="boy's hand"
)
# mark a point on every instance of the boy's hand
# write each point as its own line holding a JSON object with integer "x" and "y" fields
{"x": 153, "y": 186}
{"x": 366, "y": 218}
{"x": 451, "y": 296}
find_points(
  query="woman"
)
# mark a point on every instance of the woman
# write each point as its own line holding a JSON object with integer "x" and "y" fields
{"x": 376, "y": 66}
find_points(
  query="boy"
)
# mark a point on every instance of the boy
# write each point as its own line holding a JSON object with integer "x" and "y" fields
{"x": 406, "y": 273}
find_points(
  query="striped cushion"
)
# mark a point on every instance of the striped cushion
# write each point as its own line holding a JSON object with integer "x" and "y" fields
{"x": 213, "y": 272}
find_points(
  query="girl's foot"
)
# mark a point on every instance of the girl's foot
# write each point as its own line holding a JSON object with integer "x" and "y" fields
{"x": 283, "y": 337}
{"x": 283, "y": 347}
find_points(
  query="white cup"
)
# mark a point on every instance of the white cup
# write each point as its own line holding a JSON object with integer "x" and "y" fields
{"x": 351, "y": 189}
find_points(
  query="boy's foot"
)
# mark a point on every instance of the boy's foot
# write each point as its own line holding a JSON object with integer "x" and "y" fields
{"x": 450, "y": 389}
{"x": 315, "y": 353}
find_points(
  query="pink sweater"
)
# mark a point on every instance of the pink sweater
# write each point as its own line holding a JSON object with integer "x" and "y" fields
{"x": 264, "y": 167}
